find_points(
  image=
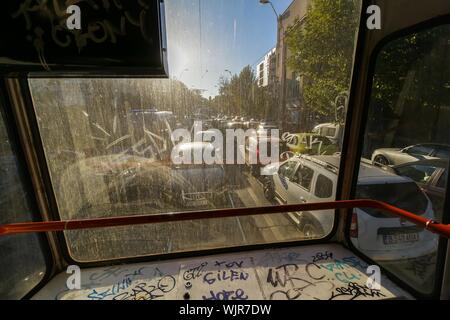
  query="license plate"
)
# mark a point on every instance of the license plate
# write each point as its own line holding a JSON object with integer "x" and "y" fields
{"x": 400, "y": 238}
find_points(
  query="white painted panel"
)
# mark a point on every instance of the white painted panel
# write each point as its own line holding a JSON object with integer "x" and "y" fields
{"x": 316, "y": 273}
{"x": 220, "y": 278}
{"x": 125, "y": 282}
{"x": 309, "y": 272}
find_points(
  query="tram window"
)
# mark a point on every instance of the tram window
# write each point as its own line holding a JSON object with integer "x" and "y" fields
{"x": 109, "y": 143}
{"x": 409, "y": 106}
{"x": 22, "y": 261}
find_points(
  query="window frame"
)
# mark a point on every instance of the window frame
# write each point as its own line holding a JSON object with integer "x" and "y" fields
{"x": 443, "y": 243}
{"x": 6, "y": 111}
{"x": 54, "y": 210}
{"x": 41, "y": 162}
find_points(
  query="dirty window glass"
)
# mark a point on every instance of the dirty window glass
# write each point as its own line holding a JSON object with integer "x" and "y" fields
{"x": 22, "y": 262}
{"x": 118, "y": 147}
{"x": 409, "y": 106}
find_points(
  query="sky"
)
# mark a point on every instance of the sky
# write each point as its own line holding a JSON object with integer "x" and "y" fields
{"x": 207, "y": 37}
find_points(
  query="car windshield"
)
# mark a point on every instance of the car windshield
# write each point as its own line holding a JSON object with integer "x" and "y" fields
{"x": 422, "y": 150}
{"x": 418, "y": 173}
{"x": 442, "y": 152}
{"x": 406, "y": 196}
{"x": 133, "y": 146}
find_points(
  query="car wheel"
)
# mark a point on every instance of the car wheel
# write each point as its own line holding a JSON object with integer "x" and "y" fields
{"x": 269, "y": 190}
{"x": 381, "y": 161}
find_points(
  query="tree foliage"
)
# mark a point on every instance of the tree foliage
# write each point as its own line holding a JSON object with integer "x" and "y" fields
{"x": 241, "y": 96}
{"x": 321, "y": 50}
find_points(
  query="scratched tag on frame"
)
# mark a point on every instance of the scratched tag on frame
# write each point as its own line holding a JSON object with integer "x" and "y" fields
{"x": 316, "y": 273}
{"x": 231, "y": 279}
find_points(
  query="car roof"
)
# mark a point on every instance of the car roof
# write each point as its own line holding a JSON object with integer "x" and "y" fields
{"x": 431, "y": 144}
{"x": 309, "y": 134}
{"x": 266, "y": 139}
{"x": 367, "y": 171}
{"x": 442, "y": 163}
{"x": 193, "y": 146}
{"x": 322, "y": 125}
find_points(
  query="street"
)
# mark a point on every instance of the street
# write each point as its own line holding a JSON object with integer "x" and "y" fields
{"x": 190, "y": 235}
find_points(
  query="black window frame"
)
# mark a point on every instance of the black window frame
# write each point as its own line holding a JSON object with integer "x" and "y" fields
{"x": 64, "y": 249}
{"x": 330, "y": 238}
{"x": 25, "y": 178}
{"x": 443, "y": 242}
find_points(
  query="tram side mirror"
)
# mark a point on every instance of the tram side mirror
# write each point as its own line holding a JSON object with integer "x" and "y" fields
{"x": 116, "y": 38}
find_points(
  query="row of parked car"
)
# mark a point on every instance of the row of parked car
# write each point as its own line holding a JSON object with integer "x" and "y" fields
{"x": 412, "y": 178}
{"x": 426, "y": 164}
{"x": 304, "y": 179}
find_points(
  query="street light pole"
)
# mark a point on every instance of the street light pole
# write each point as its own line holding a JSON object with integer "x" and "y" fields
{"x": 280, "y": 45}
{"x": 231, "y": 75}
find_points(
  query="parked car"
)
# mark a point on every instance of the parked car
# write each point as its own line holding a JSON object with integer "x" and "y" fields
{"x": 255, "y": 168}
{"x": 265, "y": 128}
{"x": 113, "y": 184}
{"x": 430, "y": 175}
{"x": 203, "y": 184}
{"x": 381, "y": 236}
{"x": 234, "y": 124}
{"x": 332, "y": 131}
{"x": 310, "y": 144}
{"x": 252, "y": 124}
{"x": 396, "y": 156}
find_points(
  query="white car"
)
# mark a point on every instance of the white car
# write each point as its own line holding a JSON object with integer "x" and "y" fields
{"x": 377, "y": 234}
{"x": 332, "y": 131}
{"x": 198, "y": 185}
{"x": 397, "y": 156}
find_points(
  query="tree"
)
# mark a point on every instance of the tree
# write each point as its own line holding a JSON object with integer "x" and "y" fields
{"x": 241, "y": 95}
{"x": 321, "y": 50}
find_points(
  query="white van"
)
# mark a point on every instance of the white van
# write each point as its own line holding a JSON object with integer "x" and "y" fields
{"x": 382, "y": 236}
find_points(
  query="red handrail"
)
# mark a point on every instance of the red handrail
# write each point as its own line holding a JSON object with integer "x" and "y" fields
{"x": 32, "y": 227}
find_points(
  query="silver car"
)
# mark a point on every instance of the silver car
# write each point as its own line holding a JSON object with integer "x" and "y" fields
{"x": 203, "y": 185}
{"x": 396, "y": 156}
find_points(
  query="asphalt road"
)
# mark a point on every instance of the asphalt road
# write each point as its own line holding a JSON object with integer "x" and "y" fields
{"x": 110, "y": 243}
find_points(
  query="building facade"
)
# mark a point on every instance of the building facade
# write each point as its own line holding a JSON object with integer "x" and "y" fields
{"x": 266, "y": 69}
{"x": 291, "y": 83}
